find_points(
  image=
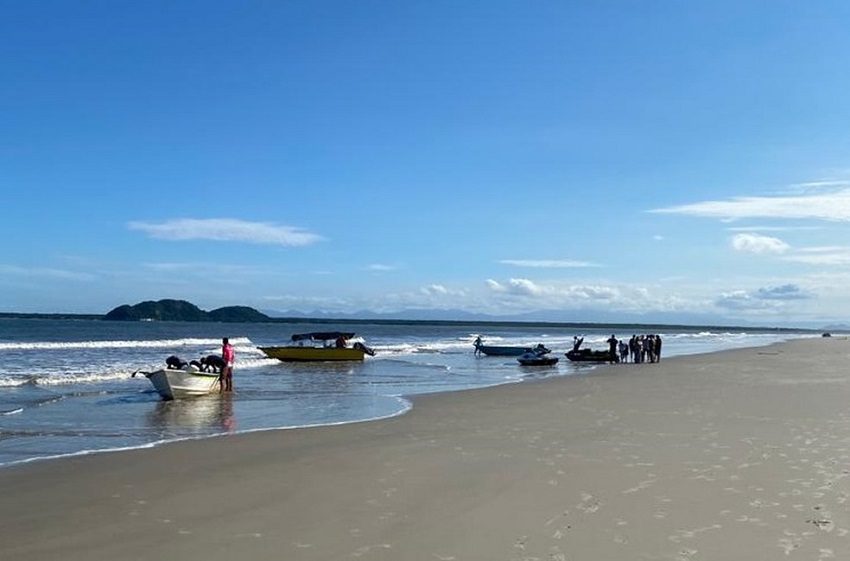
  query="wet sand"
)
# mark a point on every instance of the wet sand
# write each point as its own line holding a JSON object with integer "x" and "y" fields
{"x": 736, "y": 455}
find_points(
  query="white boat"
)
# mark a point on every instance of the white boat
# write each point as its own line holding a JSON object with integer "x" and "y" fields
{"x": 176, "y": 384}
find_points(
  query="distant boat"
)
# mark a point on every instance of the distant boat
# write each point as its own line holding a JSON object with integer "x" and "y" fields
{"x": 177, "y": 384}
{"x": 304, "y": 348}
{"x": 493, "y": 350}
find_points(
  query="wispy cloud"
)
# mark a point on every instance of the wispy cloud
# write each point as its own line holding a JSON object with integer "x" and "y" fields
{"x": 834, "y": 206}
{"x": 547, "y": 263}
{"x": 380, "y": 267}
{"x": 203, "y": 268}
{"x": 306, "y": 303}
{"x": 827, "y": 255}
{"x": 45, "y": 272}
{"x": 226, "y": 229}
{"x": 828, "y": 185}
{"x": 756, "y": 243}
{"x": 771, "y": 228}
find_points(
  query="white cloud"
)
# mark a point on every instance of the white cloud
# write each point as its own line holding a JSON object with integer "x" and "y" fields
{"x": 515, "y": 286}
{"x": 834, "y": 206}
{"x": 765, "y": 299}
{"x": 432, "y": 289}
{"x": 783, "y": 292}
{"x": 226, "y": 229}
{"x": 547, "y": 263}
{"x": 756, "y": 243}
{"x": 741, "y": 300}
{"x": 495, "y": 286}
{"x": 559, "y": 294}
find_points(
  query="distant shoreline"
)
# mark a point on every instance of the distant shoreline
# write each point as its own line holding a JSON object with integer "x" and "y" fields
{"x": 479, "y": 323}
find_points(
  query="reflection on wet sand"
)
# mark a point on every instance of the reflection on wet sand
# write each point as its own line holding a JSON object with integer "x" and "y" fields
{"x": 203, "y": 413}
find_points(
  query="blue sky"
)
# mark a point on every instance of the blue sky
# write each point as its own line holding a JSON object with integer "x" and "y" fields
{"x": 655, "y": 160}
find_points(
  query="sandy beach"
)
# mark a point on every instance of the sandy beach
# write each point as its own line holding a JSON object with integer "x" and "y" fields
{"x": 741, "y": 454}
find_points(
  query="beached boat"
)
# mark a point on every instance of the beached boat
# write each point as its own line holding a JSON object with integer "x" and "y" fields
{"x": 319, "y": 346}
{"x": 587, "y": 355}
{"x": 494, "y": 350}
{"x": 188, "y": 382}
{"x": 535, "y": 358}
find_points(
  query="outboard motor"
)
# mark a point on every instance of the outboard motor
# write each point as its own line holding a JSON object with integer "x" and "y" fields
{"x": 364, "y": 348}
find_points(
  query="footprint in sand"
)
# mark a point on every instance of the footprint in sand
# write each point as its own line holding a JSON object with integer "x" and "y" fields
{"x": 686, "y": 554}
{"x": 589, "y": 504}
{"x": 361, "y": 551}
{"x": 789, "y": 544}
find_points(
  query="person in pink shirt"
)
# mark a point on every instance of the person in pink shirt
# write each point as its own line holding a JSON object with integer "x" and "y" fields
{"x": 226, "y": 376}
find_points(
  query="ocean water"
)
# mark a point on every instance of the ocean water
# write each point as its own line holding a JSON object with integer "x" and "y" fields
{"x": 66, "y": 386}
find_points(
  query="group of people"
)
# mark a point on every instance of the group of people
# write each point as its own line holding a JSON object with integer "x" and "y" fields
{"x": 640, "y": 348}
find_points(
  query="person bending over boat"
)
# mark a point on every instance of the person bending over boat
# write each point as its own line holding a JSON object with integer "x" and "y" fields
{"x": 226, "y": 376}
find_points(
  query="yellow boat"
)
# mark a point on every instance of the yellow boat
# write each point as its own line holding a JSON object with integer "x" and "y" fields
{"x": 303, "y": 348}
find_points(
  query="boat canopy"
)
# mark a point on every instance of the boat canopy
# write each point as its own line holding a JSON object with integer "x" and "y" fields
{"x": 322, "y": 336}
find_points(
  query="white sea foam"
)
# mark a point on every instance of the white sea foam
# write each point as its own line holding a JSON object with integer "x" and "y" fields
{"x": 81, "y": 378}
{"x": 254, "y": 362}
{"x": 154, "y": 344}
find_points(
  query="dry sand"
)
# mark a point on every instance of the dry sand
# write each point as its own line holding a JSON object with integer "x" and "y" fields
{"x": 735, "y": 455}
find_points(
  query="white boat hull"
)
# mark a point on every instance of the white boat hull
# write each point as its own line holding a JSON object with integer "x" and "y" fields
{"x": 176, "y": 384}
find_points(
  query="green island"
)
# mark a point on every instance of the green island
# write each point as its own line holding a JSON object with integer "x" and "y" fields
{"x": 181, "y": 310}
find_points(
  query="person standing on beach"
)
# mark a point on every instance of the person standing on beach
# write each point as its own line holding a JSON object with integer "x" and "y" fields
{"x": 612, "y": 349}
{"x": 226, "y": 376}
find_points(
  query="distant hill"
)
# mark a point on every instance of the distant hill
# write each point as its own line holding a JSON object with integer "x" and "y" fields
{"x": 243, "y": 314}
{"x": 181, "y": 310}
